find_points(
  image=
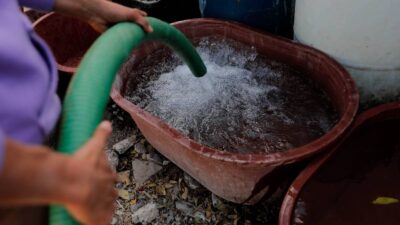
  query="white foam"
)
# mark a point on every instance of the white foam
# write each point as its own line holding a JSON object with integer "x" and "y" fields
{"x": 229, "y": 98}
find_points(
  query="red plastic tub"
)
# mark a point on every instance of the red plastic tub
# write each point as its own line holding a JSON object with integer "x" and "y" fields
{"x": 356, "y": 181}
{"x": 68, "y": 38}
{"x": 243, "y": 178}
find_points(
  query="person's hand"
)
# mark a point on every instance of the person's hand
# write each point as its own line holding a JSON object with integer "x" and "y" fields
{"x": 93, "y": 180}
{"x": 83, "y": 183}
{"x": 102, "y": 13}
{"x": 112, "y": 13}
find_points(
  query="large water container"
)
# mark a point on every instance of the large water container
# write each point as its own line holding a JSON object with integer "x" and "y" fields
{"x": 275, "y": 16}
{"x": 364, "y": 35}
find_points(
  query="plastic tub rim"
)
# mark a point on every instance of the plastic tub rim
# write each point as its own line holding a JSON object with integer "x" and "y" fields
{"x": 280, "y": 158}
{"x": 60, "y": 67}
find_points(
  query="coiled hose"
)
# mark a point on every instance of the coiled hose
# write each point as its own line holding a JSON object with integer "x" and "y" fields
{"x": 88, "y": 93}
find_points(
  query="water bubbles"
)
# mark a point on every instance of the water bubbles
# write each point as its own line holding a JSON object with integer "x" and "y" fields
{"x": 245, "y": 103}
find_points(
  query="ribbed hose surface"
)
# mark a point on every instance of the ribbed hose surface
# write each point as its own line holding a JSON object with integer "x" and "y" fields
{"x": 88, "y": 93}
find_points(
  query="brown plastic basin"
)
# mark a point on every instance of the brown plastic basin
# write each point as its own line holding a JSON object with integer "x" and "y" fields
{"x": 341, "y": 186}
{"x": 68, "y": 38}
{"x": 243, "y": 178}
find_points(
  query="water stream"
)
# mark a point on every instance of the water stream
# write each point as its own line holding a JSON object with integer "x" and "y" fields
{"x": 245, "y": 103}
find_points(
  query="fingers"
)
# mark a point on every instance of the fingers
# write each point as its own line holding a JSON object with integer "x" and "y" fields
{"x": 103, "y": 131}
{"x": 112, "y": 13}
{"x": 98, "y": 26}
{"x": 143, "y": 13}
{"x": 142, "y": 21}
{"x": 109, "y": 217}
{"x": 94, "y": 148}
{"x": 108, "y": 204}
{"x": 112, "y": 196}
{"x": 100, "y": 136}
{"x": 105, "y": 166}
{"x": 95, "y": 202}
{"x": 138, "y": 16}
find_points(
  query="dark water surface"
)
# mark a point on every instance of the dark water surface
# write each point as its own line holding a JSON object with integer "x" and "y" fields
{"x": 245, "y": 103}
{"x": 344, "y": 189}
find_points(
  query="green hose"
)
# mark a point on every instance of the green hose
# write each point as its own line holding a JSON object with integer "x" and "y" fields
{"x": 88, "y": 93}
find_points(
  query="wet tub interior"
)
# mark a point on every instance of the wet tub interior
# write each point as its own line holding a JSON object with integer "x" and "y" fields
{"x": 68, "y": 38}
{"x": 359, "y": 184}
{"x": 245, "y": 103}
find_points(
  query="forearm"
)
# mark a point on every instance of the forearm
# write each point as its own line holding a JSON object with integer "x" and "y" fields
{"x": 76, "y": 8}
{"x": 33, "y": 175}
{"x": 101, "y": 13}
{"x": 83, "y": 9}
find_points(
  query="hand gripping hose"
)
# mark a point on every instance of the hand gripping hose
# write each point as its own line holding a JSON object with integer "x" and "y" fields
{"x": 88, "y": 93}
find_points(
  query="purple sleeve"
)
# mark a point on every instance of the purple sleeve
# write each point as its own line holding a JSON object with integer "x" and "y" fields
{"x": 2, "y": 150}
{"x": 46, "y": 5}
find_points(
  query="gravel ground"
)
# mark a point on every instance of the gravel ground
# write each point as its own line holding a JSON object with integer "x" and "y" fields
{"x": 153, "y": 190}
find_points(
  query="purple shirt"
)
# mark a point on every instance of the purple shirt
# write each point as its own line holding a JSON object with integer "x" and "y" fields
{"x": 29, "y": 107}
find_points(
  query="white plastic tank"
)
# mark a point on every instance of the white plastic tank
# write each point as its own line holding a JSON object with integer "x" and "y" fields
{"x": 363, "y": 35}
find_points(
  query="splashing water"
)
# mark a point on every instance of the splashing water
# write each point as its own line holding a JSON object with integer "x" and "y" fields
{"x": 245, "y": 103}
